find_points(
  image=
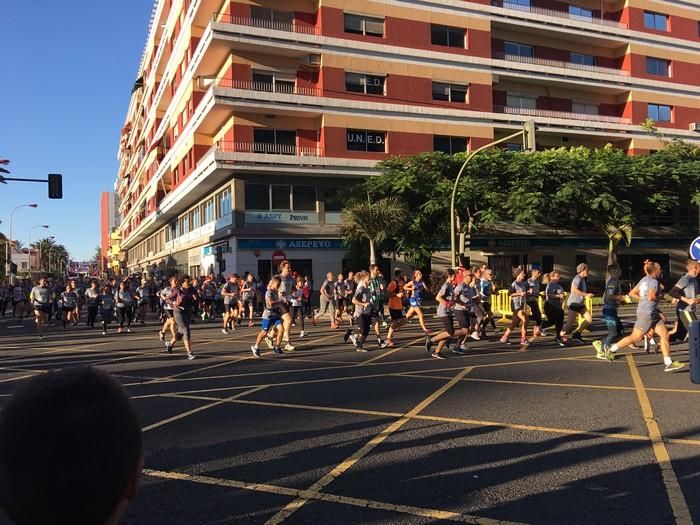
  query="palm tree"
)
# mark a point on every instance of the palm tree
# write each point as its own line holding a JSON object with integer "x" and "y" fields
{"x": 374, "y": 222}
{"x": 58, "y": 257}
{"x": 44, "y": 247}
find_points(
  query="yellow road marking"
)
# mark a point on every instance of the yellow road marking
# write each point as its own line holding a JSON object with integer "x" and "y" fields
{"x": 337, "y": 471}
{"x": 673, "y": 488}
{"x": 200, "y": 409}
{"x": 434, "y": 514}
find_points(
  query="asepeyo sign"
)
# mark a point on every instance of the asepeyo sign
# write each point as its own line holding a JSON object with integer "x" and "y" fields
{"x": 280, "y": 217}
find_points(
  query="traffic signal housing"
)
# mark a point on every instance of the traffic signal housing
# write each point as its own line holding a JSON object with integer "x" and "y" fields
{"x": 55, "y": 186}
{"x": 529, "y": 140}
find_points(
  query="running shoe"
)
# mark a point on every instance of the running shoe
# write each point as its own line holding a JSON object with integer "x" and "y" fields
{"x": 536, "y": 331}
{"x": 428, "y": 345}
{"x": 169, "y": 348}
{"x": 360, "y": 349}
{"x": 463, "y": 347}
{"x": 278, "y": 351}
{"x": 104, "y": 332}
{"x": 384, "y": 324}
{"x": 128, "y": 330}
{"x": 504, "y": 340}
{"x": 334, "y": 326}
{"x": 255, "y": 350}
{"x": 269, "y": 343}
{"x": 578, "y": 337}
{"x": 224, "y": 331}
{"x": 289, "y": 347}
{"x": 459, "y": 351}
{"x": 437, "y": 355}
{"x": 346, "y": 335}
{"x": 559, "y": 341}
{"x": 302, "y": 334}
{"x": 600, "y": 352}
{"x": 475, "y": 336}
{"x": 119, "y": 330}
{"x": 190, "y": 356}
{"x": 388, "y": 343}
{"x": 353, "y": 339}
{"x": 250, "y": 324}
{"x": 524, "y": 342}
{"x": 674, "y": 367}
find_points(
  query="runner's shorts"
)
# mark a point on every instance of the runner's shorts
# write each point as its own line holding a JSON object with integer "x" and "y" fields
{"x": 270, "y": 322}
{"x": 415, "y": 301}
{"x": 43, "y": 308}
{"x": 395, "y": 314}
{"x": 448, "y": 324}
{"x": 645, "y": 322}
{"x": 462, "y": 318}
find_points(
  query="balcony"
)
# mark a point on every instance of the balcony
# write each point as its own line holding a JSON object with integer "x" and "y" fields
{"x": 557, "y": 14}
{"x": 558, "y": 64}
{"x": 286, "y": 89}
{"x": 294, "y": 27}
{"x": 526, "y": 112}
{"x": 265, "y": 148}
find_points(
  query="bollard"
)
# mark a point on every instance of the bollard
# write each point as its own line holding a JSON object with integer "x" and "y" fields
{"x": 694, "y": 351}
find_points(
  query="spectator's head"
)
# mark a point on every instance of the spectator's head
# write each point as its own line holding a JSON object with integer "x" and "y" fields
{"x": 70, "y": 450}
{"x": 582, "y": 269}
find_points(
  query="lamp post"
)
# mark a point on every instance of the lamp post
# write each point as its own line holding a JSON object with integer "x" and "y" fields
{"x": 9, "y": 252}
{"x": 30, "y": 246}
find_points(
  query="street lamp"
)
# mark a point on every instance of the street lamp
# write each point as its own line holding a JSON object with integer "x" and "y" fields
{"x": 9, "y": 252}
{"x": 30, "y": 246}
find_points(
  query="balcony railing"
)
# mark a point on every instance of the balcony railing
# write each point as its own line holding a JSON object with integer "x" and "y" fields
{"x": 558, "y": 14}
{"x": 526, "y": 112}
{"x": 558, "y": 64}
{"x": 286, "y": 89}
{"x": 265, "y": 148}
{"x": 294, "y": 27}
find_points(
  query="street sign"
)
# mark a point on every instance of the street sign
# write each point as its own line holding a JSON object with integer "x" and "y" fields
{"x": 695, "y": 249}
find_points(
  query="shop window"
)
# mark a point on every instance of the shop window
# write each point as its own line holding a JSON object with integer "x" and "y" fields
{"x": 304, "y": 198}
{"x": 257, "y": 197}
{"x": 281, "y": 197}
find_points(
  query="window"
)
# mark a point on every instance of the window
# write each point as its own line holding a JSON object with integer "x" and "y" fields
{"x": 332, "y": 200}
{"x": 658, "y": 66}
{"x": 184, "y": 224}
{"x": 655, "y": 21}
{"x": 519, "y": 50}
{"x": 208, "y": 211}
{"x": 195, "y": 219}
{"x": 449, "y": 145}
{"x": 363, "y": 140}
{"x": 271, "y": 15}
{"x": 257, "y": 197}
{"x": 277, "y": 141}
{"x": 304, "y": 198}
{"x": 448, "y": 36}
{"x": 281, "y": 197}
{"x": 223, "y": 203}
{"x": 517, "y": 4}
{"x": 659, "y": 112}
{"x": 273, "y": 81}
{"x": 450, "y": 92}
{"x": 368, "y": 84}
{"x": 580, "y": 12}
{"x": 584, "y": 60}
{"x": 364, "y": 25}
{"x": 521, "y": 101}
{"x": 585, "y": 108}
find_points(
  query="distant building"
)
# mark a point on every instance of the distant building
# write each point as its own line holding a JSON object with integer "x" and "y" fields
{"x": 108, "y": 221}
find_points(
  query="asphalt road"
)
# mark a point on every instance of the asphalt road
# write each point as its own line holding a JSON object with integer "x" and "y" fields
{"x": 326, "y": 435}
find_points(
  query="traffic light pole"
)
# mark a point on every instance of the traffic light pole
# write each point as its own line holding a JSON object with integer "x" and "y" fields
{"x": 528, "y": 134}
{"x": 54, "y": 182}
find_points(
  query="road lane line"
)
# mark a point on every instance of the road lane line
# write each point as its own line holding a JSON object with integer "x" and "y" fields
{"x": 200, "y": 409}
{"x": 434, "y": 514}
{"x": 337, "y": 471}
{"x": 385, "y": 354}
{"x": 679, "y": 506}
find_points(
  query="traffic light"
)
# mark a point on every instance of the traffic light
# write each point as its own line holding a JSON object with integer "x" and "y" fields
{"x": 529, "y": 139}
{"x": 55, "y": 186}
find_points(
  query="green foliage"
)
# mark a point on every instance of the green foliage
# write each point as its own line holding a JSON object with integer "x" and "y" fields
{"x": 603, "y": 189}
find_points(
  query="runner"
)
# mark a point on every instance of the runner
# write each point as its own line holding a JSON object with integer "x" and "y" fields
{"x": 533, "y": 294}
{"x": 69, "y": 299}
{"x": 326, "y": 301}
{"x": 395, "y": 293}
{"x": 416, "y": 288}
{"x": 611, "y": 301}
{"x": 106, "y": 304}
{"x": 463, "y": 295}
{"x": 125, "y": 307}
{"x": 445, "y": 298}
{"x": 486, "y": 290}
{"x": 169, "y": 321}
{"x": 376, "y": 289}
{"x": 340, "y": 295}
{"x": 142, "y": 295}
{"x": 686, "y": 292}
{"x": 270, "y": 318}
{"x": 41, "y": 297}
{"x": 518, "y": 298}
{"x": 286, "y": 287}
{"x": 183, "y": 300}
{"x": 362, "y": 301}
{"x": 249, "y": 287}
{"x": 553, "y": 306}
{"x": 308, "y": 313}
{"x": 230, "y": 292}
{"x": 208, "y": 292}
{"x": 297, "y": 308}
{"x": 648, "y": 318}
{"x": 577, "y": 305}
{"x": 92, "y": 296}
{"x": 350, "y": 286}
{"x": 19, "y": 301}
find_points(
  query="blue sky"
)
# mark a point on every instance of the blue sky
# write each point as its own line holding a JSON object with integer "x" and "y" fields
{"x": 67, "y": 72}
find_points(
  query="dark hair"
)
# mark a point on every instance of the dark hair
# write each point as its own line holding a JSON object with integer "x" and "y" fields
{"x": 449, "y": 273}
{"x": 70, "y": 445}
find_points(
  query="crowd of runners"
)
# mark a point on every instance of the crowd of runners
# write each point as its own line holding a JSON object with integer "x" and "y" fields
{"x": 283, "y": 309}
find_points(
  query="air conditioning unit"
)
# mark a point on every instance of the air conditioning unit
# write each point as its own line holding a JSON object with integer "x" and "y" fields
{"x": 312, "y": 61}
{"x": 694, "y": 126}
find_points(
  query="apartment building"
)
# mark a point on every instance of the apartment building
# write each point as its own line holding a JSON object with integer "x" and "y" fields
{"x": 249, "y": 120}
